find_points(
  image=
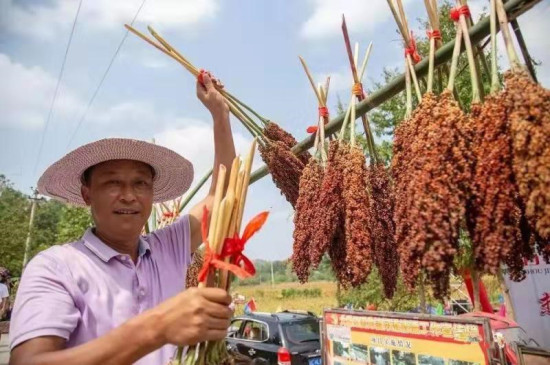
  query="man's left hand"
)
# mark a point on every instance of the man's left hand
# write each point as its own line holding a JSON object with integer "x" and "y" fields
{"x": 210, "y": 97}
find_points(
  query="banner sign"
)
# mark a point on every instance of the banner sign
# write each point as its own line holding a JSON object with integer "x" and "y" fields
{"x": 378, "y": 338}
{"x": 531, "y": 300}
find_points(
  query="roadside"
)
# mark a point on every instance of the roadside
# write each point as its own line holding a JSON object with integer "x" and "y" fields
{"x": 4, "y": 349}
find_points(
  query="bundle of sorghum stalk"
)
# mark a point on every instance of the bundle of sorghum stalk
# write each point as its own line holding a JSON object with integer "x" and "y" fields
{"x": 285, "y": 168}
{"x": 304, "y": 218}
{"x": 528, "y": 107}
{"x": 385, "y": 252}
{"x": 274, "y": 132}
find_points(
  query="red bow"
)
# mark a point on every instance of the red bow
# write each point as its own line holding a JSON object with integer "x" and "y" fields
{"x": 232, "y": 247}
{"x": 312, "y": 129}
{"x": 435, "y": 34}
{"x": 168, "y": 214}
{"x": 323, "y": 111}
{"x": 457, "y": 12}
{"x": 412, "y": 51}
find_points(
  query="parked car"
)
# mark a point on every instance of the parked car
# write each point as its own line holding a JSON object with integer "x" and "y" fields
{"x": 284, "y": 338}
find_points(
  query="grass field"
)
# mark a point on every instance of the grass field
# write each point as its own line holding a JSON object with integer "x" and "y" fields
{"x": 270, "y": 298}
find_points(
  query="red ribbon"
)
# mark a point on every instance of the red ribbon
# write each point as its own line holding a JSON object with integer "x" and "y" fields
{"x": 233, "y": 248}
{"x": 435, "y": 34}
{"x": 200, "y": 78}
{"x": 357, "y": 89}
{"x": 412, "y": 51}
{"x": 458, "y": 11}
{"x": 312, "y": 129}
{"x": 323, "y": 111}
{"x": 168, "y": 214}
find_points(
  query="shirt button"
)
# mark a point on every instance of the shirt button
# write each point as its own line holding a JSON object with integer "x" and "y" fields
{"x": 142, "y": 291}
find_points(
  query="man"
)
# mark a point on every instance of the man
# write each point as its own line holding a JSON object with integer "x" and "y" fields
{"x": 4, "y": 301}
{"x": 115, "y": 297}
{"x": 4, "y": 298}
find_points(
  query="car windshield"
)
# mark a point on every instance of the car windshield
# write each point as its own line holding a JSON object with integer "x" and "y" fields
{"x": 301, "y": 332}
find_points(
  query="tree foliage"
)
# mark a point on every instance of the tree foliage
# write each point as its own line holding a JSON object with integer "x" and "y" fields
{"x": 54, "y": 223}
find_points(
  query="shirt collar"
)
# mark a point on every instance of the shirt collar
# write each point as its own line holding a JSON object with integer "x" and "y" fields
{"x": 106, "y": 253}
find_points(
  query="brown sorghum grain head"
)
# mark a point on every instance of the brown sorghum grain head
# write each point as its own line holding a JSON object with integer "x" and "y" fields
{"x": 304, "y": 218}
{"x": 435, "y": 194}
{"x": 496, "y": 235}
{"x": 386, "y": 256}
{"x": 285, "y": 169}
{"x": 528, "y": 107}
{"x": 274, "y": 132}
{"x": 357, "y": 222}
{"x": 407, "y": 148}
{"x": 329, "y": 218}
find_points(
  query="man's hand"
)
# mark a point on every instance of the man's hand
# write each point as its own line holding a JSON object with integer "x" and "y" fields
{"x": 210, "y": 97}
{"x": 224, "y": 150}
{"x": 195, "y": 315}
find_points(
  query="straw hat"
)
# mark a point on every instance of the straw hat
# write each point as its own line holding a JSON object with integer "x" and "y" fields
{"x": 62, "y": 180}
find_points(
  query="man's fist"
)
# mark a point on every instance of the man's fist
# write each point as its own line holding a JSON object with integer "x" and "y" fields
{"x": 210, "y": 96}
{"x": 196, "y": 315}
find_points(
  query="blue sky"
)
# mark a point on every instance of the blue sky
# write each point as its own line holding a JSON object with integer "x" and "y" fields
{"x": 252, "y": 45}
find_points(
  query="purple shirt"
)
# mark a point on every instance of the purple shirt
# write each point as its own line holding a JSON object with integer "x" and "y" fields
{"x": 82, "y": 290}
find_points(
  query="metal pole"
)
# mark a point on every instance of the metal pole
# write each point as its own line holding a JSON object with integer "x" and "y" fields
{"x": 524, "y": 51}
{"x": 31, "y": 221}
{"x": 514, "y": 8}
{"x": 510, "y": 312}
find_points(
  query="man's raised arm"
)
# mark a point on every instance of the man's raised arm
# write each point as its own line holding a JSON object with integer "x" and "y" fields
{"x": 224, "y": 151}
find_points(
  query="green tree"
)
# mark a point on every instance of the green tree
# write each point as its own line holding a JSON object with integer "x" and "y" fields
{"x": 72, "y": 224}
{"x": 371, "y": 293}
{"x": 54, "y": 223}
{"x": 44, "y": 233}
{"x": 14, "y": 220}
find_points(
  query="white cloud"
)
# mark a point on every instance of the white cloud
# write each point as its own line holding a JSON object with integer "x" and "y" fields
{"x": 44, "y": 21}
{"x": 25, "y": 96}
{"x": 195, "y": 141}
{"x": 361, "y": 16}
{"x": 339, "y": 80}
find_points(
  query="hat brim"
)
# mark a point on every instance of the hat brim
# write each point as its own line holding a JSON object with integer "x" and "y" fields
{"x": 62, "y": 180}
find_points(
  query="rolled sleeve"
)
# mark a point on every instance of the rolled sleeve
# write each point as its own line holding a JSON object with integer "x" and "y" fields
{"x": 44, "y": 305}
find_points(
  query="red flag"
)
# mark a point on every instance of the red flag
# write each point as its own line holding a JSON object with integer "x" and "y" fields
{"x": 250, "y": 306}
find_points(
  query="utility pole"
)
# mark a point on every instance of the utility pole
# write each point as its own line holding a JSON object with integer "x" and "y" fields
{"x": 31, "y": 221}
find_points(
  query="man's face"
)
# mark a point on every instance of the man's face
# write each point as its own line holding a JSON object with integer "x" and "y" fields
{"x": 120, "y": 196}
